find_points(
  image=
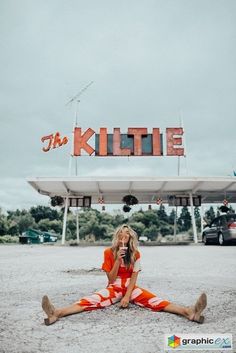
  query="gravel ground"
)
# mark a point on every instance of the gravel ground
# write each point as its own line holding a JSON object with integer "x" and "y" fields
{"x": 177, "y": 273}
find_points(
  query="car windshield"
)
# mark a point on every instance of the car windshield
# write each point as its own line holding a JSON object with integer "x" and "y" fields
{"x": 231, "y": 218}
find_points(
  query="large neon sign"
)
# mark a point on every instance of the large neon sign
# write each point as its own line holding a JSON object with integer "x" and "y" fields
{"x": 136, "y": 142}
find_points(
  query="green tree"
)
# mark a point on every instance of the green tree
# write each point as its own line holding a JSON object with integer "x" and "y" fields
{"x": 71, "y": 225}
{"x": 184, "y": 220}
{"x": 105, "y": 218}
{"x": 13, "y": 227}
{"x": 43, "y": 212}
{"x": 210, "y": 215}
{"x": 3, "y": 223}
{"x": 83, "y": 231}
{"x": 138, "y": 227}
{"x": 171, "y": 218}
{"x": 197, "y": 218}
{"x": 26, "y": 221}
{"x": 151, "y": 232}
{"x": 138, "y": 216}
{"x": 149, "y": 218}
{"x": 166, "y": 229}
{"x": 99, "y": 231}
{"x": 118, "y": 219}
{"x": 56, "y": 226}
{"x": 161, "y": 213}
{"x": 44, "y": 225}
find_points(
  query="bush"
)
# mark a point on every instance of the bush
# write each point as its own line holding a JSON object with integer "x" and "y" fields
{"x": 151, "y": 233}
{"x": 6, "y": 239}
{"x": 166, "y": 230}
{"x": 138, "y": 227}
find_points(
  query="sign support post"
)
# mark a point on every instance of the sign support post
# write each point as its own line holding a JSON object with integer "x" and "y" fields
{"x": 193, "y": 219}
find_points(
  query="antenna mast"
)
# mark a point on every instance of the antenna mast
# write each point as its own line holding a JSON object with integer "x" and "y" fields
{"x": 71, "y": 101}
{"x": 75, "y": 124}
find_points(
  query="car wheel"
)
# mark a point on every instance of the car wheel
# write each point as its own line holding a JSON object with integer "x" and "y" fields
{"x": 221, "y": 240}
{"x": 204, "y": 239}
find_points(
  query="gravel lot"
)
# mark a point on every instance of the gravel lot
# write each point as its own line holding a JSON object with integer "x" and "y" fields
{"x": 177, "y": 273}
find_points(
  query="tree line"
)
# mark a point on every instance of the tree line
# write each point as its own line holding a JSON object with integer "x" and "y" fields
{"x": 96, "y": 225}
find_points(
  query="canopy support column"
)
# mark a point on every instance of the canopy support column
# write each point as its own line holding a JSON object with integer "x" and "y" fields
{"x": 193, "y": 219}
{"x": 175, "y": 225}
{"x": 77, "y": 225}
{"x": 202, "y": 215}
{"x": 64, "y": 222}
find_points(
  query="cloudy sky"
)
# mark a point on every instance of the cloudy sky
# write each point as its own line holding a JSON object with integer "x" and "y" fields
{"x": 151, "y": 62}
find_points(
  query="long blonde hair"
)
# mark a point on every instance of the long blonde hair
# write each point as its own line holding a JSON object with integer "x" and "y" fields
{"x": 132, "y": 244}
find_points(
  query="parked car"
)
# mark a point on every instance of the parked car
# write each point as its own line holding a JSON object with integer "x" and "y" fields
{"x": 34, "y": 236}
{"x": 221, "y": 230}
{"x": 143, "y": 239}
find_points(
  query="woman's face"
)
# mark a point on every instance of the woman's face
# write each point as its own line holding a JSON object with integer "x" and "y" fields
{"x": 124, "y": 237}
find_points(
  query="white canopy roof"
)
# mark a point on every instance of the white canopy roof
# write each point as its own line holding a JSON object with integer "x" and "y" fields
{"x": 146, "y": 189}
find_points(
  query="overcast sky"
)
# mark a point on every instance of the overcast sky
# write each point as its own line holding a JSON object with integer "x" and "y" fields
{"x": 151, "y": 62}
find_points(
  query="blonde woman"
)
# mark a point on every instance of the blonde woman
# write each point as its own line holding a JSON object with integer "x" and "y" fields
{"x": 122, "y": 265}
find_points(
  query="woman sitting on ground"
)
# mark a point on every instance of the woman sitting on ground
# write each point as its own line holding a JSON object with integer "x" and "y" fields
{"x": 122, "y": 265}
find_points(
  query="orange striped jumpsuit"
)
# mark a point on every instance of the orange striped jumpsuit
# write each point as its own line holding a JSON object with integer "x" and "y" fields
{"x": 114, "y": 292}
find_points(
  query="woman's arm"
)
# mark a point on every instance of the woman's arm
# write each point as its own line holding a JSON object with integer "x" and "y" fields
{"x": 113, "y": 273}
{"x": 125, "y": 300}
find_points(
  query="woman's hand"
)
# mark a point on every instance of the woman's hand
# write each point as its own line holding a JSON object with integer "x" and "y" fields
{"x": 120, "y": 254}
{"x": 124, "y": 302}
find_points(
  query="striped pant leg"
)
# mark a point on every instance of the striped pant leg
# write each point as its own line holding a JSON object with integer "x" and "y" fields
{"x": 100, "y": 299}
{"x": 144, "y": 298}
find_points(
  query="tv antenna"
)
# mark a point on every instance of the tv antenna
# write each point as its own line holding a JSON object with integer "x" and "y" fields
{"x": 79, "y": 93}
{"x": 71, "y": 101}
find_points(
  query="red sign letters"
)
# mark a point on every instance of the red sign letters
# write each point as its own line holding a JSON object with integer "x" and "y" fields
{"x": 136, "y": 142}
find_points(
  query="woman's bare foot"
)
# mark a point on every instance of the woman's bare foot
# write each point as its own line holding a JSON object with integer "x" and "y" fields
{"x": 195, "y": 312}
{"x": 50, "y": 311}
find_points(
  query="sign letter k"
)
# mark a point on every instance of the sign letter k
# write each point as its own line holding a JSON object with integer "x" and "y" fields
{"x": 80, "y": 141}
